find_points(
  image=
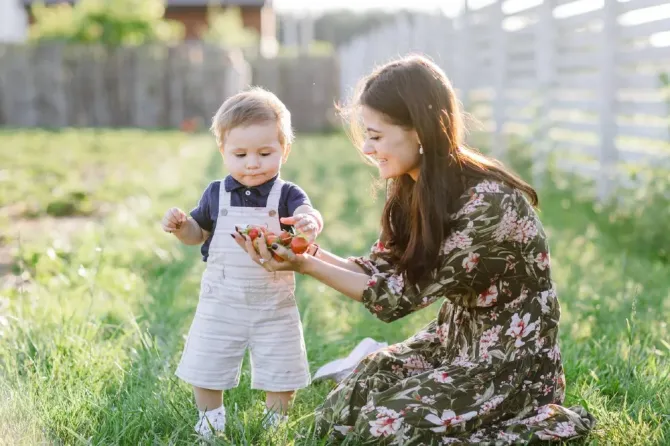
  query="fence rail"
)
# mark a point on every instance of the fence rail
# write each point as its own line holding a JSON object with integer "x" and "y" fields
{"x": 588, "y": 85}
{"x": 153, "y": 86}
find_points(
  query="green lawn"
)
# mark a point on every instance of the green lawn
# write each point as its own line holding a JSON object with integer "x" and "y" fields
{"x": 97, "y": 299}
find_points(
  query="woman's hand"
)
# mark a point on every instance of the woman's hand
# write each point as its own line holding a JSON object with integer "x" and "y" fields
{"x": 264, "y": 257}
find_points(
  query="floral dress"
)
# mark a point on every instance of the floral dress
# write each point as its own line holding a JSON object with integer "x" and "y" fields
{"x": 488, "y": 370}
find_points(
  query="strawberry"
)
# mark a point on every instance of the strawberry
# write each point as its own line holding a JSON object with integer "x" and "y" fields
{"x": 253, "y": 233}
{"x": 299, "y": 244}
{"x": 285, "y": 238}
{"x": 271, "y": 238}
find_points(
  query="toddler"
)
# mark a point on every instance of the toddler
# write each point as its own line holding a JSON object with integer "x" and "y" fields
{"x": 242, "y": 305}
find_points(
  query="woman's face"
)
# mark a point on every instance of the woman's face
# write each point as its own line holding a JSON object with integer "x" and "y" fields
{"x": 395, "y": 149}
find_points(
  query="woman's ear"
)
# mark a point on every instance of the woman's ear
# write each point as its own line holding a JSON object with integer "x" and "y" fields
{"x": 415, "y": 137}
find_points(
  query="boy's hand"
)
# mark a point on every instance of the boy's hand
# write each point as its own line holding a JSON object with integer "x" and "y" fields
{"x": 173, "y": 220}
{"x": 305, "y": 224}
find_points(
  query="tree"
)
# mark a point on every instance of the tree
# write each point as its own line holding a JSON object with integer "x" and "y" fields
{"x": 110, "y": 22}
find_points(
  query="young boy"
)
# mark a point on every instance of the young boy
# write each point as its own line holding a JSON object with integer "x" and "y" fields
{"x": 241, "y": 304}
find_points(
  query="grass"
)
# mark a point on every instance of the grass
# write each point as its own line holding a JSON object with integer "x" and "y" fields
{"x": 93, "y": 319}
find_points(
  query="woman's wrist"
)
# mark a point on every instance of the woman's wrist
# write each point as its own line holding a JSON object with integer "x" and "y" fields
{"x": 306, "y": 265}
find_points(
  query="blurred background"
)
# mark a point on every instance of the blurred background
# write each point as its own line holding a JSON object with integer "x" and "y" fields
{"x": 104, "y": 111}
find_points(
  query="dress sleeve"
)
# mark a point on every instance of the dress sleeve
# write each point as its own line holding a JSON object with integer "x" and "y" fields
{"x": 472, "y": 258}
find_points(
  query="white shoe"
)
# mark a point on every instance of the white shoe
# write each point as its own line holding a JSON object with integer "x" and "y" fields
{"x": 273, "y": 419}
{"x": 213, "y": 419}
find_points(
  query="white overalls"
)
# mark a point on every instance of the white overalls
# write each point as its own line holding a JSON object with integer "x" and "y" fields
{"x": 243, "y": 306}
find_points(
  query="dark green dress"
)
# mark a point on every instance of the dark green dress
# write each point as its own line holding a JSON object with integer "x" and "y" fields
{"x": 488, "y": 370}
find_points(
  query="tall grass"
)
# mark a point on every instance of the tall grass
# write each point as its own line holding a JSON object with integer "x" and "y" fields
{"x": 96, "y": 310}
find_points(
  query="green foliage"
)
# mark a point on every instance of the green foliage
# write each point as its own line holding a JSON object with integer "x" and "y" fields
{"x": 108, "y": 22}
{"x": 226, "y": 27}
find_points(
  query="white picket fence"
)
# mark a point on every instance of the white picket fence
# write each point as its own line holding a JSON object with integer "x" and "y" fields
{"x": 584, "y": 80}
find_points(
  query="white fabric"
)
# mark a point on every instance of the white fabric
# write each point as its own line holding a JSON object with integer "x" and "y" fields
{"x": 243, "y": 306}
{"x": 338, "y": 369}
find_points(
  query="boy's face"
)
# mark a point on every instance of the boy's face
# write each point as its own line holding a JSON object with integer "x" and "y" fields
{"x": 253, "y": 154}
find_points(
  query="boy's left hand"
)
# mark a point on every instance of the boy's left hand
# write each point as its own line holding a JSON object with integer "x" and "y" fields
{"x": 305, "y": 224}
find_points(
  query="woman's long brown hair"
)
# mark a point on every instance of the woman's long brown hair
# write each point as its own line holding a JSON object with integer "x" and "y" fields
{"x": 415, "y": 93}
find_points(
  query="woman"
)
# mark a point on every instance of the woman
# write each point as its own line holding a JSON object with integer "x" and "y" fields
{"x": 458, "y": 225}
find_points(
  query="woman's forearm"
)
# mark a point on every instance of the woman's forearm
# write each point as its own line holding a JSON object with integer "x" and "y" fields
{"x": 338, "y": 261}
{"x": 351, "y": 283}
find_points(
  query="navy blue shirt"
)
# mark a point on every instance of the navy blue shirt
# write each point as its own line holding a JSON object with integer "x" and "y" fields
{"x": 207, "y": 210}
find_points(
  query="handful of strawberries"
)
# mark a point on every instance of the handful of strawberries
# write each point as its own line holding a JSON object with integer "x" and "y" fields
{"x": 297, "y": 243}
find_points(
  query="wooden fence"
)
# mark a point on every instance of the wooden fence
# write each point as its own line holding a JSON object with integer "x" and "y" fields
{"x": 153, "y": 86}
{"x": 576, "y": 79}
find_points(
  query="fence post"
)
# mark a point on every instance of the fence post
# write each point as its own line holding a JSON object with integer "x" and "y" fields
{"x": 545, "y": 49}
{"x": 498, "y": 146}
{"x": 607, "y": 100}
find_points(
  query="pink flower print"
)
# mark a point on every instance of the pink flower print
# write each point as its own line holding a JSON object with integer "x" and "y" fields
{"x": 543, "y": 413}
{"x": 520, "y": 328}
{"x": 562, "y": 430}
{"x": 396, "y": 284}
{"x": 441, "y": 377}
{"x": 425, "y": 336}
{"x": 448, "y": 418}
{"x": 506, "y": 226}
{"x": 524, "y": 230}
{"x": 377, "y": 308}
{"x": 398, "y": 370}
{"x": 542, "y": 260}
{"x": 489, "y": 338}
{"x": 394, "y": 348}
{"x": 544, "y": 298}
{"x": 369, "y": 407}
{"x": 378, "y": 248}
{"x": 416, "y": 364}
{"x": 372, "y": 282}
{"x": 428, "y": 400}
{"x": 470, "y": 262}
{"x": 442, "y": 331}
{"x": 491, "y": 404}
{"x": 554, "y": 354}
{"x": 343, "y": 430}
{"x": 508, "y": 436}
{"x": 458, "y": 239}
{"x": 487, "y": 186}
{"x": 475, "y": 201}
{"x": 388, "y": 422}
{"x": 367, "y": 263}
{"x": 518, "y": 301}
{"x": 488, "y": 297}
{"x": 510, "y": 263}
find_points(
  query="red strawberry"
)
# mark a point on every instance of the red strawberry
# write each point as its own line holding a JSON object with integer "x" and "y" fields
{"x": 253, "y": 233}
{"x": 299, "y": 244}
{"x": 271, "y": 238}
{"x": 285, "y": 238}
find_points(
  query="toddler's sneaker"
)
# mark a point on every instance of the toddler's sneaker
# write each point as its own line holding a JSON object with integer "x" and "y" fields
{"x": 272, "y": 419}
{"x": 212, "y": 419}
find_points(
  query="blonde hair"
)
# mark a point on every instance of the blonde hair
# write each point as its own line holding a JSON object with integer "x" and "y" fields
{"x": 253, "y": 106}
